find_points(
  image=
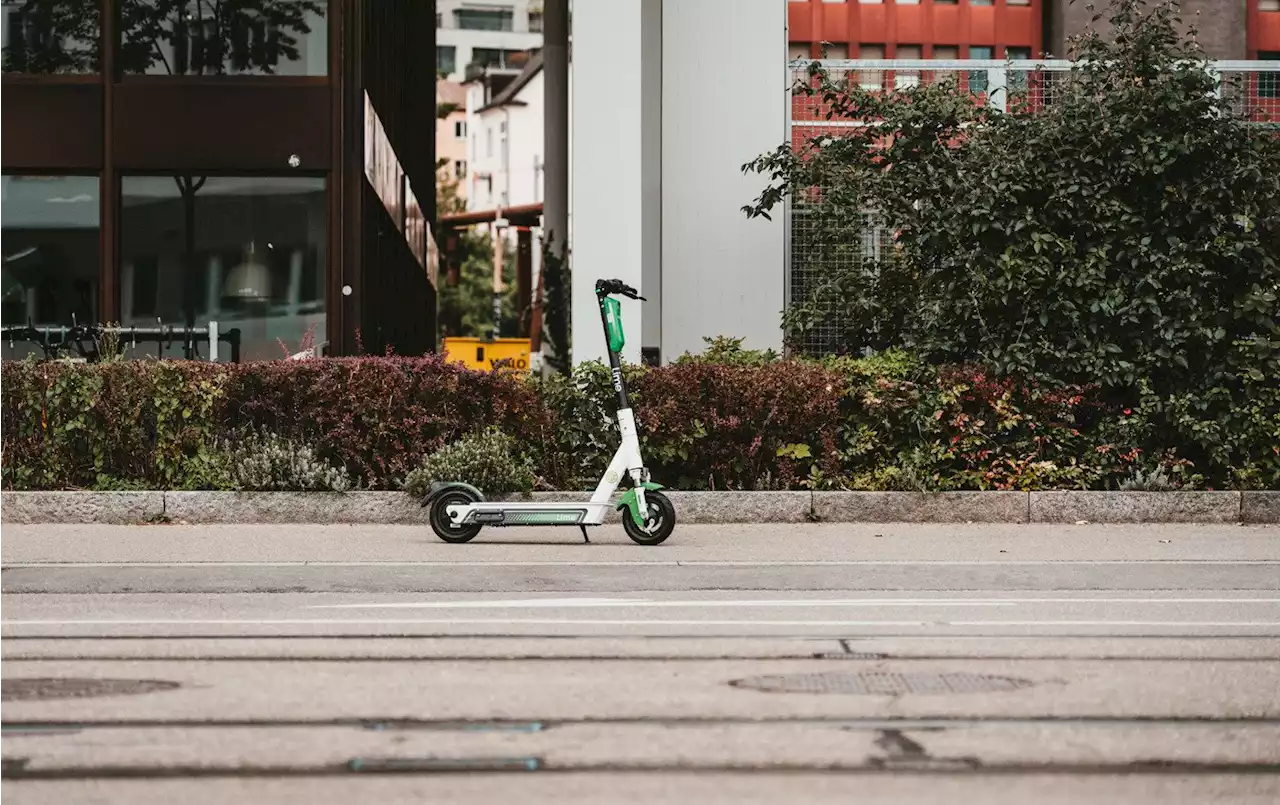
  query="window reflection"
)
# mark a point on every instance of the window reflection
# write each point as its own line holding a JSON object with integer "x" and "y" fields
{"x": 248, "y": 253}
{"x": 51, "y": 248}
{"x": 50, "y": 36}
{"x": 224, "y": 37}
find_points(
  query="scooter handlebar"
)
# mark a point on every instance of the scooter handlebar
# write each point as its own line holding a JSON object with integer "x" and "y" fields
{"x": 607, "y": 287}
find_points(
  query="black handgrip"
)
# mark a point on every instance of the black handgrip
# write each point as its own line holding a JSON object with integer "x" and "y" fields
{"x": 615, "y": 286}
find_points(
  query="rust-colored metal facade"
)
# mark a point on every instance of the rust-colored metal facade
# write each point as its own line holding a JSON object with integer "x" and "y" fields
{"x": 1228, "y": 29}
{"x": 1262, "y": 30}
{"x": 929, "y": 25}
{"x": 112, "y": 125}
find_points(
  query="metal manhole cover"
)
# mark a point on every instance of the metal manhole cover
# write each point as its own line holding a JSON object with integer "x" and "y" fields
{"x": 882, "y": 683}
{"x": 17, "y": 690}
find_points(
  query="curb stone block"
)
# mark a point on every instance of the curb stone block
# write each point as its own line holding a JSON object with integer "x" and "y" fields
{"x": 373, "y": 508}
{"x": 741, "y": 507}
{"x": 110, "y": 508}
{"x": 1260, "y": 507}
{"x": 1135, "y": 507}
{"x": 397, "y": 508}
{"x": 921, "y": 507}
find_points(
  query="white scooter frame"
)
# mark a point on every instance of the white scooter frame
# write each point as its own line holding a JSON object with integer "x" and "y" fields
{"x": 460, "y": 509}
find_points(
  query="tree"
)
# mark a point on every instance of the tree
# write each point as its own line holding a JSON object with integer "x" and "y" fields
{"x": 202, "y": 37}
{"x": 1127, "y": 232}
{"x": 52, "y": 36}
{"x": 212, "y": 37}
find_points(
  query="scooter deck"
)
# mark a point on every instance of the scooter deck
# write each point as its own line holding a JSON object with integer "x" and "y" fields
{"x": 531, "y": 514}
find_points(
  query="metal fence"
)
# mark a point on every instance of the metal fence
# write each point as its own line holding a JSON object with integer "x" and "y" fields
{"x": 817, "y": 252}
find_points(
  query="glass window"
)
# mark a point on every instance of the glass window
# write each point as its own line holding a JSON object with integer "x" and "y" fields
{"x": 1269, "y": 82}
{"x": 535, "y": 22}
{"x": 1017, "y": 79}
{"x": 978, "y": 78}
{"x": 497, "y": 57}
{"x": 51, "y": 250}
{"x": 50, "y": 36}
{"x": 908, "y": 78}
{"x": 246, "y": 252}
{"x": 483, "y": 19}
{"x": 215, "y": 37}
{"x": 446, "y": 59}
{"x": 871, "y": 79}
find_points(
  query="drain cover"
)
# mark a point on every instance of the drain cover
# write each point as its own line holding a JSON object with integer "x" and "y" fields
{"x": 18, "y": 690}
{"x": 882, "y": 683}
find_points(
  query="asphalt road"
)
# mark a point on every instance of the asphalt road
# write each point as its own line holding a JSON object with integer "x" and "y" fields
{"x": 817, "y": 663}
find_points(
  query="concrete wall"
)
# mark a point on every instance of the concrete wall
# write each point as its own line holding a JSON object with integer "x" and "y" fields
{"x": 1220, "y": 23}
{"x": 722, "y": 105}
{"x": 607, "y": 180}
{"x": 662, "y": 122}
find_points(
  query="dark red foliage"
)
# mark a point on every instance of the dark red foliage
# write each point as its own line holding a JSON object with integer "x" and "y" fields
{"x": 721, "y": 426}
{"x": 379, "y": 416}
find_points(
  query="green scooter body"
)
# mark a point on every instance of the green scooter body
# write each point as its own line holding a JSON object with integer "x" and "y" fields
{"x": 613, "y": 323}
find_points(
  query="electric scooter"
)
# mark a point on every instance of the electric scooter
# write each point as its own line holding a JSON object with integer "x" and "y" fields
{"x": 459, "y": 510}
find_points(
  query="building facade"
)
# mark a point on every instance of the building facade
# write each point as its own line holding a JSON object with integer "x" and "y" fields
{"x": 489, "y": 33}
{"x": 924, "y": 29}
{"x": 1000, "y": 29}
{"x": 451, "y": 136}
{"x": 505, "y": 139}
{"x": 271, "y": 170}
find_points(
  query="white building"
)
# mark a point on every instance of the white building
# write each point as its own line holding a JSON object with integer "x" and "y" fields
{"x": 669, "y": 99}
{"x": 488, "y": 32}
{"x": 505, "y": 144}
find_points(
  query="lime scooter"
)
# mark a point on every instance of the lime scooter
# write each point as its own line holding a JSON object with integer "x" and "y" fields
{"x": 459, "y": 510}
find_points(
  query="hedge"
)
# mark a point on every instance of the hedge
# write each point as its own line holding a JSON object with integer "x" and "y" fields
{"x": 726, "y": 420}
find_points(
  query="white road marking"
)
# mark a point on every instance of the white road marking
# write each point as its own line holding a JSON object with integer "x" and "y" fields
{"x": 786, "y": 602}
{"x": 640, "y": 602}
{"x": 631, "y": 622}
{"x": 667, "y": 563}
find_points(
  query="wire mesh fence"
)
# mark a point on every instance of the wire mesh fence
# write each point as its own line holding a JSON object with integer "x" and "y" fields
{"x": 823, "y": 253}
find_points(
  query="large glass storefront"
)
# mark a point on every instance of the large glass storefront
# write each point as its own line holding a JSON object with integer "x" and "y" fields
{"x": 166, "y": 167}
{"x": 51, "y": 245}
{"x": 246, "y": 252}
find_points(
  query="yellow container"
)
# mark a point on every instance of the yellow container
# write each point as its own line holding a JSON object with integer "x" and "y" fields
{"x": 477, "y": 353}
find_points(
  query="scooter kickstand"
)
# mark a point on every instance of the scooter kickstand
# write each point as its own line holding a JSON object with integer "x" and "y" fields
{"x": 585, "y": 538}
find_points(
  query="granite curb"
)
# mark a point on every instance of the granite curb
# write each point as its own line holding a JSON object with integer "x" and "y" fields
{"x": 1136, "y": 507}
{"x": 396, "y": 508}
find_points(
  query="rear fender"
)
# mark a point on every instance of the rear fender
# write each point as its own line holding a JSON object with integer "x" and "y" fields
{"x": 440, "y": 487}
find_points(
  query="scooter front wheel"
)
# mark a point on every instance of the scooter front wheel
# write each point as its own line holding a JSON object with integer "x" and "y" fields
{"x": 444, "y": 526}
{"x": 659, "y": 521}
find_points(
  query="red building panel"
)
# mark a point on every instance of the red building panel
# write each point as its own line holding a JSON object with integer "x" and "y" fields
{"x": 927, "y": 24}
{"x": 1263, "y": 30}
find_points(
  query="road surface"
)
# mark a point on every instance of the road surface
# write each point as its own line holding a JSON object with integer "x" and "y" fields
{"x": 768, "y": 663}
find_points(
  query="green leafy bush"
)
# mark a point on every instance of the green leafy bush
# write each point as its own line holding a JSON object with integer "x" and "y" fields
{"x": 890, "y": 421}
{"x": 1125, "y": 235}
{"x": 269, "y": 463}
{"x": 489, "y": 460}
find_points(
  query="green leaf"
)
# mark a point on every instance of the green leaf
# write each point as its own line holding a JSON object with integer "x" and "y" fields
{"x": 794, "y": 451}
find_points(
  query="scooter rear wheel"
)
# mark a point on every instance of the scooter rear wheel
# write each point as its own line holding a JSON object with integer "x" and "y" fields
{"x": 444, "y": 526}
{"x": 660, "y": 520}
